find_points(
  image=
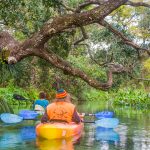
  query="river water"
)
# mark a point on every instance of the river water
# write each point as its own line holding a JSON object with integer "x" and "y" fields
{"x": 132, "y": 133}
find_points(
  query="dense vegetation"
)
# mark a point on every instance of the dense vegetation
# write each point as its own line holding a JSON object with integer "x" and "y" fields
{"x": 96, "y": 49}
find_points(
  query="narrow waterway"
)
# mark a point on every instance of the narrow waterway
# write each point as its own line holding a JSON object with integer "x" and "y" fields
{"x": 132, "y": 133}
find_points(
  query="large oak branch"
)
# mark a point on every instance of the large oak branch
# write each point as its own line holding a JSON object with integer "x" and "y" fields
{"x": 69, "y": 69}
{"x": 137, "y": 4}
{"x": 99, "y": 2}
{"x": 35, "y": 45}
{"x": 58, "y": 62}
{"x": 59, "y": 24}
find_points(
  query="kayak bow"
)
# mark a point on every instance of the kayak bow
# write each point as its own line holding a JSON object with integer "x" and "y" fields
{"x": 56, "y": 130}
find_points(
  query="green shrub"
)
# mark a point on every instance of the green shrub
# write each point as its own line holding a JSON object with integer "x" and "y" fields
{"x": 93, "y": 94}
{"x": 128, "y": 97}
{"x": 4, "y": 107}
{"x": 7, "y": 93}
{"x": 136, "y": 98}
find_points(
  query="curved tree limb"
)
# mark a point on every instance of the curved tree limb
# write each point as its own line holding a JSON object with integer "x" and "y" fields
{"x": 85, "y": 36}
{"x": 139, "y": 79}
{"x": 67, "y": 67}
{"x": 6, "y": 40}
{"x": 34, "y": 46}
{"x": 137, "y": 4}
{"x": 60, "y": 24}
{"x": 99, "y": 2}
{"x": 58, "y": 62}
{"x": 125, "y": 40}
{"x": 94, "y": 60}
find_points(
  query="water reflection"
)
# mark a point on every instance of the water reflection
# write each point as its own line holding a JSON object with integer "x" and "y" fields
{"x": 12, "y": 137}
{"x": 106, "y": 134}
{"x": 21, "y": 136}
{"x": 58, "y": 144}
{"x": 141, "y": 140}
{"x": 122, "y": 130}
{"x": 62, "y": 144}
{"x": 9, "y": 140}
{"x": 28, "y": 133}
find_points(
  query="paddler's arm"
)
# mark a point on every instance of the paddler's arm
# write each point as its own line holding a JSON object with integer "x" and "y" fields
{"x": 44, "y": 117}
{"x": 76, "y": 117}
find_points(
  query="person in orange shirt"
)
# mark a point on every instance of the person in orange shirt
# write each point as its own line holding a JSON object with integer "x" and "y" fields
{"x": 61, "y": 110}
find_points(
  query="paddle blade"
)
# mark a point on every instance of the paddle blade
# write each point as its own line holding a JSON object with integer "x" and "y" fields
{"x": 10, "y": 118}
{"x": 28, "y": 114}
{"x": 104, "y": 114}
{"x": 107, "y": 123}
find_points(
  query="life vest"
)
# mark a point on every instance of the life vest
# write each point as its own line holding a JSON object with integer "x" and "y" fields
{"x": 39, "y": 109}
{"x": 62, "y": 111}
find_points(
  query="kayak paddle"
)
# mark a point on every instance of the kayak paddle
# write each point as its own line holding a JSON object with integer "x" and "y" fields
{"x": 23, "y": 115}
{"x": 105, "y": 122}
{"x": 28, "y": 114}
{"x": 100, "y": 115}
{"x": 10, "y": 118}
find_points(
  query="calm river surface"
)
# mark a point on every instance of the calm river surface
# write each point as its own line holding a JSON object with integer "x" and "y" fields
{"x": 132, "y": 133}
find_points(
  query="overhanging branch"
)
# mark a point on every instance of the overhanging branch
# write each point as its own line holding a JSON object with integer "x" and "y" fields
{"x": 137, "y": 4}
{"x": 94, "y": 60}
{"x": 125, "y": 40}
{"x": 35, "y": 44}
{"x": 84, "y": 36}
{"x": 59, "y": 24}
{"x": 67, "y": 67}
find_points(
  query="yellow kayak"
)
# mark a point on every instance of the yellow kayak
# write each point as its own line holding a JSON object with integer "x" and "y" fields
{"x": 58, "y": 130}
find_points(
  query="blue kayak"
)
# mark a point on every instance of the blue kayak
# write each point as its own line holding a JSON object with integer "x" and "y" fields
{"x": 104, "y": 114}
{"x": 10, "y": 118}
{"x": 28, "y": 114}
